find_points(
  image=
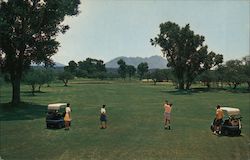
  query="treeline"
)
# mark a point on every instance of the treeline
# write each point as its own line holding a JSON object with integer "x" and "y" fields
{"x": 93, "y": 68}
{"x": 232, "y": 73}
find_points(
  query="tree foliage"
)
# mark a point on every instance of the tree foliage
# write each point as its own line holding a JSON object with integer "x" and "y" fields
{"x": 160, "y": 75}
{"x": 72, "y": 67}
{"x": 50, "y": 76}
{"x": 131, "y": 71}
{"x": 234, "y": 73}
{"x": 185, "y": 52}
{"x": 36, "y": 77}
{"x": 142, "y": 69}
{"x": 246, "y": 69}
{"x": 122, "y": 70}
{"x": 28, "y": 30}
{"x": 207, "y": 77}
{"x": 91, "y": 68}
{"x": 65, "y": 77}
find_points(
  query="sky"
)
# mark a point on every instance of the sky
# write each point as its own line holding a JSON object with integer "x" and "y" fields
{"x": 106, "y": 29}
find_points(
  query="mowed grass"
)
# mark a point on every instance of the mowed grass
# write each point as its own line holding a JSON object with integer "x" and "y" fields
{"x": 135, "y": 123}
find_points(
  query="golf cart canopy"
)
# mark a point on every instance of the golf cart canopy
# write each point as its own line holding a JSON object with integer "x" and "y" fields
{"x": 56, "y": 106}
{"x": 231, "y": 111}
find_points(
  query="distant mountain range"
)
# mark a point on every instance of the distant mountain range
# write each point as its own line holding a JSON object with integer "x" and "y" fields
{"x": 153, "y": 62}
{"x": 57, "y": 64}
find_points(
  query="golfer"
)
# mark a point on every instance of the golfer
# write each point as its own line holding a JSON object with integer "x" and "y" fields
{"x": 167, "y": 112}
{"x": 67, "y": 117}
{"x": 218, "y": 119}
{"x": 103, "y": 117}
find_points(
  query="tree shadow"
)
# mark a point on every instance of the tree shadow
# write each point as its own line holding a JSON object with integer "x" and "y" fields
{"x": 204, "y": 90}
{"x": 29, "y": 93}
{"x": 177, "y": 92}
{"x": 23, "y": 111}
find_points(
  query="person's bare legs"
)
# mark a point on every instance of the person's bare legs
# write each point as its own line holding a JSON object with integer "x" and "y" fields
{"x": 166, "y": 123}
{"x": 66, "y": 125}
{"x": 169, "y": 124}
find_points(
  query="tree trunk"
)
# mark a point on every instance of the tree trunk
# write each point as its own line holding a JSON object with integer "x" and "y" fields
{"x": 208, "y": 85}
{"x": 33, "y": 89}
{"x": 15, "y": 81}
{"x": 222, "y": 84}
{"x": 248, "y": 82}
{"x": 235, "y": 85}
{"x": 65, "y": 82}
{"x": 154, "y": 82}
{"x": 188, "y": 85}
{"x": 181, "y": 85}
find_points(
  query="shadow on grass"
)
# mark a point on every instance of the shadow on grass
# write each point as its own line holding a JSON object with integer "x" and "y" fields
{"x": 23, "y": 111}
{"x": 94, "y": 82}
{"x": 29, "y": 92}
{"x": 231, "y": 136}
{"x": 204, "y": 90}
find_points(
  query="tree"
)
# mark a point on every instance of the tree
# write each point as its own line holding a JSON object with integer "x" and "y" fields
{"x": 207, "y": 77}
{"x": 65, "y": 77}
{"x": 1, "y": 80}
{"x": 246, "y": 69}
{"x": 28, "y": 30}
{"x": 234, "y": 73}
{"x": 185, "y": 52}
{"x": 131, "y": 71}
{"x": 93, "y": 67}
{"x": 157, "y": 76}
{"x": 122, "y": 70}
{"x": 50, "y": 76}
{"x": 42, "y": 78}
{"x": 31, "y": 78}
{"x": 81, "y": 73}
{"x": 72, "y": 67}
{"x": 142, "y": 69}
{"x": 220, "y": 74}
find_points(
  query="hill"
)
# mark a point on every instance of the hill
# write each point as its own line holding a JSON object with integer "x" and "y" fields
{"x": 153, "y": 62}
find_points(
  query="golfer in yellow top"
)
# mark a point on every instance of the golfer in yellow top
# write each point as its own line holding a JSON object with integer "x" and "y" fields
{"x": 67, "y": 117}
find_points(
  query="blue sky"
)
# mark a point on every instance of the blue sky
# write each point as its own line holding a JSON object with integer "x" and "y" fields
{"x": 106, "y": 29}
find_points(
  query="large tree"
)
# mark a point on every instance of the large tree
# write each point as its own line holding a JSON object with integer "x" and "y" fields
{"x": 28, "y": 30}
{"x": 185, "y": 52}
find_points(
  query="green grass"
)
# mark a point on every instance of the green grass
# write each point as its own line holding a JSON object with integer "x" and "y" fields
{"x": 135, "y": 123}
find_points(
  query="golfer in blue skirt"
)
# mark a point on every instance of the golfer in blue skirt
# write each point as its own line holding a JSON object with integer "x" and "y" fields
{"x": 103, "y": 117}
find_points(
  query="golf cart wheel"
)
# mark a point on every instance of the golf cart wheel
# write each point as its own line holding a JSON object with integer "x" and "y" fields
{"x": 225, "y": 132}
{"x": 60, "y": 125}
{"x": 238, "y": 133}
{"x": 212, "y": 128}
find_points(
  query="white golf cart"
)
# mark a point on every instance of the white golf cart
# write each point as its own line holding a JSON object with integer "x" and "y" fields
{"x": 55, "y": 115}
{"x": 231, "y": 125}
